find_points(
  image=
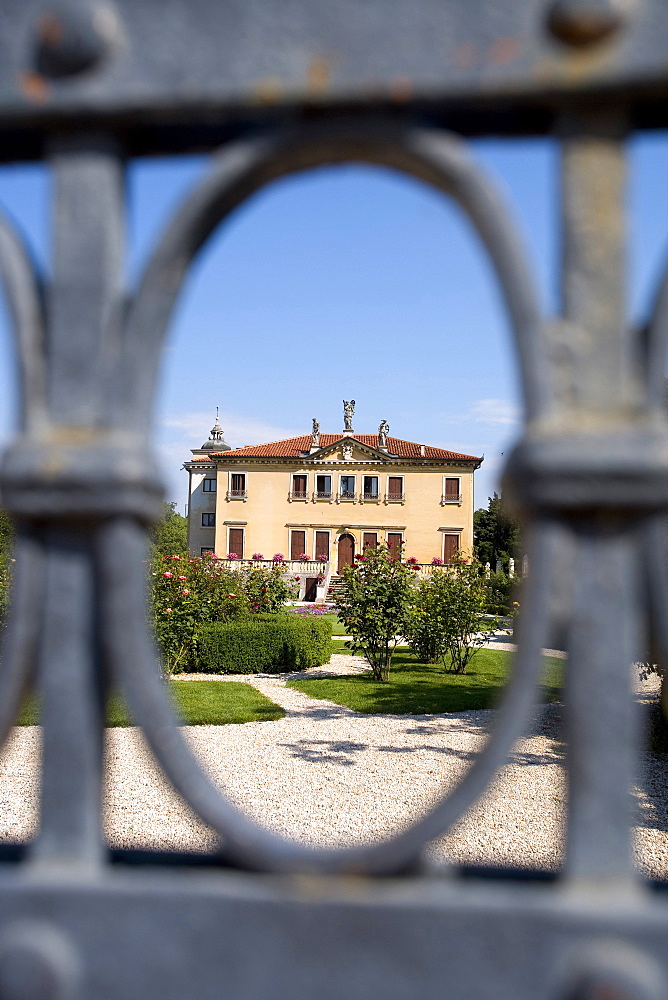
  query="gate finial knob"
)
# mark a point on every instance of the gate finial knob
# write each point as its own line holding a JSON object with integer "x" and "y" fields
{"x": 584, "y": 22}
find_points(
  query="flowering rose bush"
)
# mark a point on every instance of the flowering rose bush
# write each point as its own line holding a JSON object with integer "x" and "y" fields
{"x": 446, "y": 619}
{"x": 187, "y": 592}
{"x": 267, "y": 588}
{"x": 372, "y": 604}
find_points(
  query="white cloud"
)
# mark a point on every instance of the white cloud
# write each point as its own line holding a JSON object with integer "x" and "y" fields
{"x": 495, "y": 412}
{"x": 194, "y": 426}
{"x": 179, "y": 432}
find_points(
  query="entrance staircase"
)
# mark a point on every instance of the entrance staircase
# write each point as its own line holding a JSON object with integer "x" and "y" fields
{"x": 335, "y": 584}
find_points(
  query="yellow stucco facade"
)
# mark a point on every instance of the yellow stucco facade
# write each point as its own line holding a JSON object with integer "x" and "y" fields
{"x": 331, "y": 495}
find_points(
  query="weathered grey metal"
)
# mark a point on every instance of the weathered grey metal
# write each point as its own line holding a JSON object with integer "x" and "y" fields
{"x": 283, "y": 86}
{"x": 487, "y": 65}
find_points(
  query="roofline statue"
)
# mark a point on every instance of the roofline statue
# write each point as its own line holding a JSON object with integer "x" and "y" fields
{"x": 348, "y": 410}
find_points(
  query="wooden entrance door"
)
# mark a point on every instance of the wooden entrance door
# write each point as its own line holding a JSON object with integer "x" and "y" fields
{"x": 311, "y": 592}
{"x": 346, "y": 551}
{"x": 369, "y": 540}
{"x": 450, "y": 548}
{"x": 236, "y": 541}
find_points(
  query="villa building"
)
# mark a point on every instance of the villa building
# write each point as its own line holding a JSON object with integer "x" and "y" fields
{"x": 330, "y": 496}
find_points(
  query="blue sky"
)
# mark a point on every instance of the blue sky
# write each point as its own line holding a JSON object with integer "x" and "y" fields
{"x": 348, "y": 282}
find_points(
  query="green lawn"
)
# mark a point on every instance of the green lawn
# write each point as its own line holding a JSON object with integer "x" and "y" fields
{"x": 199, "y": 703}
{"x": 421, "y": 689}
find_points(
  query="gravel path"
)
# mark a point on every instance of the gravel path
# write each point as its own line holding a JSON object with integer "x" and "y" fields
{"x": 325, "y": 774}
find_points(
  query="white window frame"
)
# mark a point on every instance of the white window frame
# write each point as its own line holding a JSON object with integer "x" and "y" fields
{"x": 330, "y": 476}
{"x": 292, "y": 484}
{"x": 402, "y": 498}
{"x": 371, "y": 498}
{"x": 458, "y": 498}
{"x": 237, "y": 472}
{"x": 209, "y": 479}
{"x": 339, "y": 496}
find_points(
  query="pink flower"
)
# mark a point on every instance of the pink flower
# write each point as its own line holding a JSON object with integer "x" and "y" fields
{"x": 185, "y": 592}
{"x": 167, "y": 574}
{"x": 182, "y": 578}
{"x": 231, "y": 595}
{"x": 168, "y": 611}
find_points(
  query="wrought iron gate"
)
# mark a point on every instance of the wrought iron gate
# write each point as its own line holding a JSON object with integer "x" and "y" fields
{"x": 277, "y": 86}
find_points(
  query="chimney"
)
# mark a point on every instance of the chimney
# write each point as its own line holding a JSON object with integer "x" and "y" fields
{"x": 421, "y": 451}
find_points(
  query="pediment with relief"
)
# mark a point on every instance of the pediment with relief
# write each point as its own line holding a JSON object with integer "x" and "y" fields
{"x": 348, "y": 450}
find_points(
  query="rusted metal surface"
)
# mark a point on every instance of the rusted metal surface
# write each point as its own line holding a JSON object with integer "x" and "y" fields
{"x": 170, "y": 75}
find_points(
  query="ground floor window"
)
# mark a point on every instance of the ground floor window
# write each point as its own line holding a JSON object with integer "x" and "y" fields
{"x": 208, "y": 520}
{"x": 297, "y": 544}
{"x": 394, "y": 543}
{"x": 322, "y": 544}
{"x": 203, "y": 551}
{"x": 235, "y": 542}
{"x": 450, "y": 547}
{"x": 369, "y": 540}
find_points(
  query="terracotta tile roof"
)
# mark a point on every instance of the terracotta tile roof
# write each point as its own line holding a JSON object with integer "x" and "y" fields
{"x": 295, "y": 447}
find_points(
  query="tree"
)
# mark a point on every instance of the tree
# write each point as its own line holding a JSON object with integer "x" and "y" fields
{"x": 170, "y": 535}
{"x": 446, "y": 618}
{"x": 496, "y": 535}
{"x": 372, "y": 603}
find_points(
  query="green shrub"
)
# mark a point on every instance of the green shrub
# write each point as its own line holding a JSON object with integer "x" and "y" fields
{"x": 446, "y": 617}
{"x": 372, "y": 603}
{"x": 265, "y": 644}
{"x": 500, "y": 593}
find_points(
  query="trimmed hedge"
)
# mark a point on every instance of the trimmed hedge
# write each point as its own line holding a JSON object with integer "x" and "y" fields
{"x": 265, "y": 644}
